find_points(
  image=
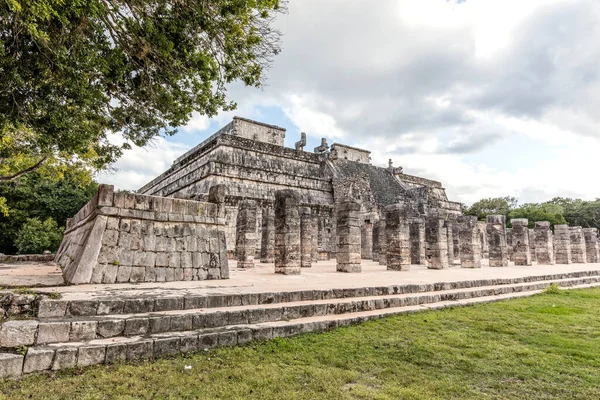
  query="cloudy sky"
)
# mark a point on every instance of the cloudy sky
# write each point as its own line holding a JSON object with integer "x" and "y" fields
{"x": 490, "y": 97}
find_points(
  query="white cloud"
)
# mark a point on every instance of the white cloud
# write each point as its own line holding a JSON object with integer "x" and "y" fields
{"x": 140, "y": 165}
{"x": 197, "y": 123}
{"x": 492, "y": 98}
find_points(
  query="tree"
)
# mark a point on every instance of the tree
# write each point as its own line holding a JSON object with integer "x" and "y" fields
{"x": 41, "y": 196}
{"x": 72, "y": 72}
{"x": 36, "y": 236}
{"x": 550, "y": 212}
{"x": 579, "y": 212}
{"x": 491, "y": 206}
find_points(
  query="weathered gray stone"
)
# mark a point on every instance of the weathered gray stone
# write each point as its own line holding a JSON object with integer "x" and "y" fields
{"x": 83, "y": 308}
{"x": 246, "y": 234}
{"x": 436, "y": 239}
{"x": 140, "y": 350}
{"x": 520, "y": 241}
{"x": 227, "y": 338}
{"x": 349, "y": 237}
{"x": 287, "y": 233}
{"x": 469, "y": 242}
{"x": 544, "y": 243}
{"x": 18, "y": 333}
{"x": 53, "y": 332}
{"x": 382, "y": 242}
{"x": 65, "y": 357}
{"x": 591, "y": 245}
{"x": 189, "y": 343}
{"x": 306, "y": 241}
{"x": 417, "y": 241}
{"x": 108, "y": 307}
{"x": 562, "y": 244}
{"x": 83, "y": 330}
{"x": 397, "y": 234}
{"x": 208, "y": 340}
{"x": 11, "y": 365}
{"x": 91, "y": 355}
{"x": 110, "y": 327}
{"x": 52, "y": 308}
{"x": 496, "y": 230}
{"x": 267, "y": 246}
{"x": 181, "y": 322}
{"x": 164, "y": 347}
{"x": 578, "y": 251}
{"x": 38, "y": 360}
{"x": 136, "y": 326}
{"x": 116, "y": 352}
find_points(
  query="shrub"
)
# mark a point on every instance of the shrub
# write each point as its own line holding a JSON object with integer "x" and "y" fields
{"x": 36, "y": 236}
{"x": 553, "y": 288}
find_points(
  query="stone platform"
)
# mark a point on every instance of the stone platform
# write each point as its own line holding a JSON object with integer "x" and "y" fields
{"x": 95, "y": 324}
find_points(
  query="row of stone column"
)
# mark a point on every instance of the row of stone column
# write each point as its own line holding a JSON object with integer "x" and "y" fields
{"x": 567, "y": 245}
{"x": 401, "y": 239}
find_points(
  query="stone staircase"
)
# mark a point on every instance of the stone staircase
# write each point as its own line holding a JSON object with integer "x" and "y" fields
{"x": 79, "y": 333}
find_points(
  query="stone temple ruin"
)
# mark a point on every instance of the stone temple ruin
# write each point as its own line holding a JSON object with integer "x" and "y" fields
{"x": 242, "y": 195}
{"x": 369, "y": 242}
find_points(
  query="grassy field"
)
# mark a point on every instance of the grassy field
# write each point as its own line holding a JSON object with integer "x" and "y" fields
{"x": 546, "y": 346}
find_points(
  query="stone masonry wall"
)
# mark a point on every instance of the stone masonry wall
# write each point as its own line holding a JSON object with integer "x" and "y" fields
{"x": 126, "y": 237}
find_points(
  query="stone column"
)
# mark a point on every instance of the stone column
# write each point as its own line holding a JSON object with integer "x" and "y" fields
{"x": 246, "y": 233}
{"x": 349, "y": 237}
{"x": 532, "y": 244}
{"x": 417, "y": 241}
{"x": 375, "y": 251}
{"x": 449, "y": 224}
{"x": 520, "y": 240}
{"x": 469, "y": 242}
{"x": 287, "y": 232}
{"x": 562, "y": 244}
{"x": 455, "y": 242}
{"x": 483, "y": 237}
{"x": 314, "y": 253}
{"x": 305, "y": 238}
{"x": 267, "y": 243}
{"x": 496, "y": 229}
{"x": 382, "y": 243}
{"x": 544, "y": 245}
{"x": 578, "y": 252}
{"x": 366, "y": 240}
{"x": 509, "y": 244}
{"x": 591, "y": 245}
{"x": 436, "y": 238}
{"x": 397, "y": 233}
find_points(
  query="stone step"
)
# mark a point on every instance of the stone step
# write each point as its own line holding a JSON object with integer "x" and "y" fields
{"x": 123, "y": 303}
{"x": 14, "y": 334}
{"x": 59, "y": 356}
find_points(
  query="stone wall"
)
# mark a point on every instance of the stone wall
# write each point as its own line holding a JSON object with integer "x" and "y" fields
{"x": 126, "y": 237}
{"x": 26, "y": 258}
{"x": 351, "y": 153}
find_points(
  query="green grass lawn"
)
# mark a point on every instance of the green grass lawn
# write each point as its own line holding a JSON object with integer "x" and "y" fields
{"x": 546, "y": 346}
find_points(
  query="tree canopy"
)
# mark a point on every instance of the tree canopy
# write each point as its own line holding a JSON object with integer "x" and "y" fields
{"x": 491, "y": 206}
{"x": 73, "y": 72}
{"x": 559, "y": 210}
{"x": 552, "y": 213}
{"x": 40, "y": 204}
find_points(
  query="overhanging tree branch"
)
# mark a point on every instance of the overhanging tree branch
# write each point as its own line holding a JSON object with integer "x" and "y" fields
{"x": 19, "y": 174}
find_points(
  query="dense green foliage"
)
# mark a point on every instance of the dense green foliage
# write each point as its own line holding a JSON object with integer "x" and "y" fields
{"x": 541, "y": 347}
{"x": 539, "y": 212}
{"x": 36, "y": 236}
{"x": 73, "y": 72}
{"x": 39, "y": 196}
{"x": 575, "y": 212}
{"x": 491, "y": 206}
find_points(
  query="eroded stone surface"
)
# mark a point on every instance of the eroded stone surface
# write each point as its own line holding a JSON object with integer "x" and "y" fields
{"x": 11, "y": 365}
{"x": 18, "y": 333}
